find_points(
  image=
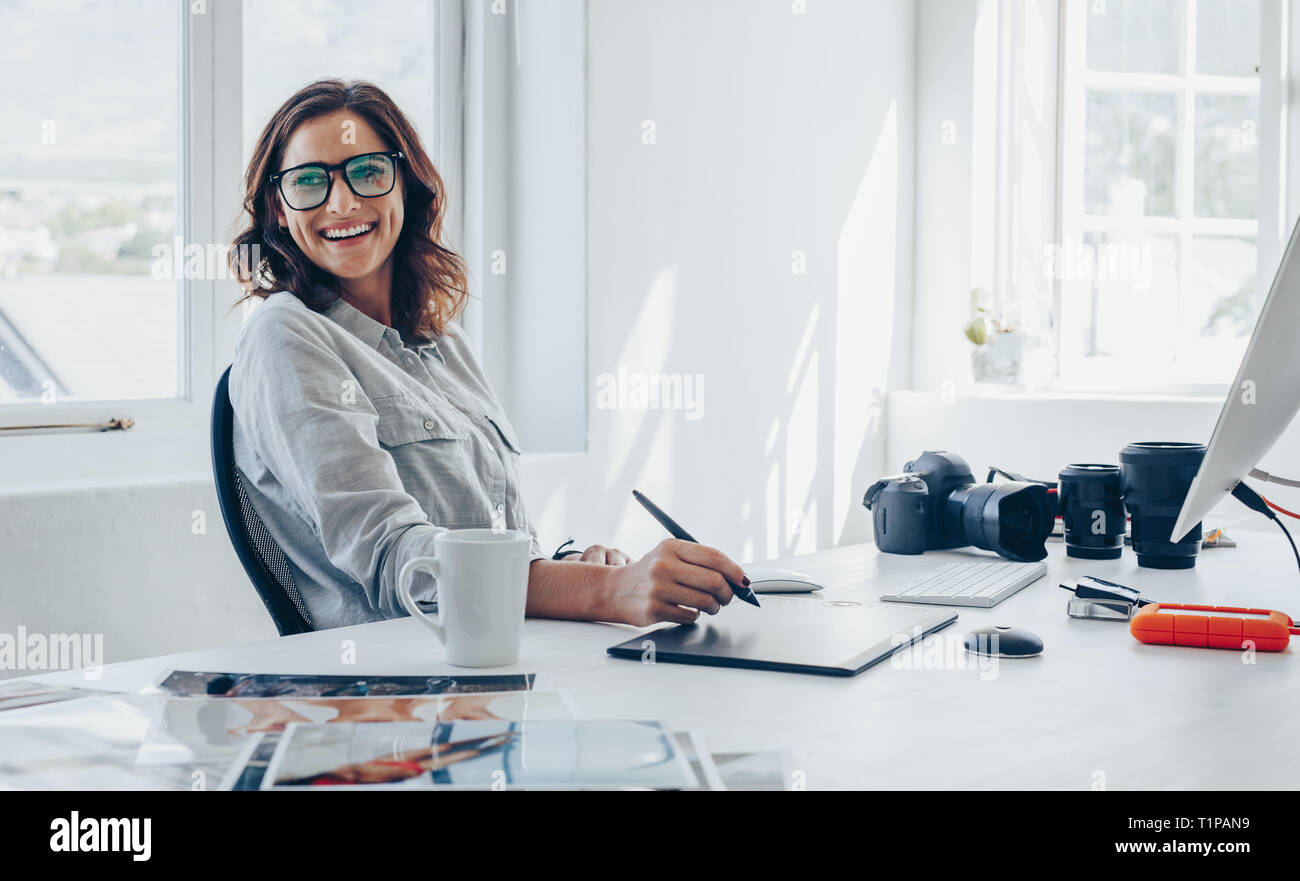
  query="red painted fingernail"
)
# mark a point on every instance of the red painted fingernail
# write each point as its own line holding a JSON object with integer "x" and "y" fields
{"x": 745, "y": 581}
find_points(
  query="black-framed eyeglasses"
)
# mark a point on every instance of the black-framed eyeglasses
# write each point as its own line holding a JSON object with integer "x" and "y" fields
{"x": 308, "y": 186}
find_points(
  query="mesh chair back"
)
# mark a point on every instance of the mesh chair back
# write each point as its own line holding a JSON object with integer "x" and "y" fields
{"x": 262, "y": 558}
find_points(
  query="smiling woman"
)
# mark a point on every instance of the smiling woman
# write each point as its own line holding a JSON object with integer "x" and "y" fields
{"x": 364, "y": 426}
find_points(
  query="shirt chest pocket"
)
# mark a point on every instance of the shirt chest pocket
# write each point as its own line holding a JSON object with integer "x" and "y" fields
{"x": 435, "y": 459}
{"x": 405, "y": 420}
{"x": 507, "y": 432}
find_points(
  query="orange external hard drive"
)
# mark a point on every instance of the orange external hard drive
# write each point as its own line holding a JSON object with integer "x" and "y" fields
{"x": 1215, "y": 627}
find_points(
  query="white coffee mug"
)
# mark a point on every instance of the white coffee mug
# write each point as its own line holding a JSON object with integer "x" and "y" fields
{"x": 482, "y": 577}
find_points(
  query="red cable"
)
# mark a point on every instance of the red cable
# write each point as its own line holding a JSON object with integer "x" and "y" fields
{"x": 1281, "y": 510}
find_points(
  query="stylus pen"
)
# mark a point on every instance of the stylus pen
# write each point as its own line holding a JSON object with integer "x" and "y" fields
{"x": 745, "y": 593}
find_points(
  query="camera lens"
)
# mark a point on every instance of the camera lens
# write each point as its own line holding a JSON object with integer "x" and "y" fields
{"x": 1092, "y": 510}
{"x": 1012, "y": 519}
{"x": 1156, "y": 477}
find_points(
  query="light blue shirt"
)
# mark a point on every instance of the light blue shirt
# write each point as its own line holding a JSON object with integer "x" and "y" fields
{"x": 356, "y": 450}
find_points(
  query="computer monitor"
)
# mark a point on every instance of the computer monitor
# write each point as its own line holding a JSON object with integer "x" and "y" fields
{"x": 1262, "y": 400}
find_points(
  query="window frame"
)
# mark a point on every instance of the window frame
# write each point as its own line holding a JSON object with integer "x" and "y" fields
{"x": 206, "y": 325}
{"x": 1072, "y": 223}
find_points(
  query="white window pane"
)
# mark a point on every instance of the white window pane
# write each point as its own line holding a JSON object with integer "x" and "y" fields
{"x": 90, "y": 147}
{"x": 1134, "y": 298}
{"x": 289, "y": 43}
{"x": 1227, "y": 37}
{"x": 1219, "y": 305}
{"x": 1130, "y": 322}
{"x": 1130, "y": 153}
{"x": 1136, "y": 36}
{"x": 119, "y": 343}
{"x": 1227, "y": 155}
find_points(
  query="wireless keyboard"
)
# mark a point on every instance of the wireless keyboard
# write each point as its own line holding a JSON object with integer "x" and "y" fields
{"x": 970, "y": 584}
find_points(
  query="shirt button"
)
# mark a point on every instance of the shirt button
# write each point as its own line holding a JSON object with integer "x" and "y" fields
{"x": 428, "y": 425}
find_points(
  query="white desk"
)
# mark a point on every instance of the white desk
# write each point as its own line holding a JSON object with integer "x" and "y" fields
{"x": 1096, "y": 701}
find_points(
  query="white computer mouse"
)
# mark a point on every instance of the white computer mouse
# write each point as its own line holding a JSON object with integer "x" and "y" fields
{"x": 780, "y": 581}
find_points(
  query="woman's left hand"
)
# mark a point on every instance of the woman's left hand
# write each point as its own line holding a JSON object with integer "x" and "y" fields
{"x": 602, "y": 554}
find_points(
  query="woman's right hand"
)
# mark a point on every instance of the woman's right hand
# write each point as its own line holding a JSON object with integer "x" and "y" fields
{"x": 674, "y": 582}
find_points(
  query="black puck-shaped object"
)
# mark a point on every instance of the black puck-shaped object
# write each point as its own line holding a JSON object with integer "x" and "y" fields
{"x": 1091, "y": 501}
{"x": 1156, "y": 477}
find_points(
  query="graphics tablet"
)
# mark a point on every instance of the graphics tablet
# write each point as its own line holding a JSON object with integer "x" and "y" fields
{"x": 792, "y": 634}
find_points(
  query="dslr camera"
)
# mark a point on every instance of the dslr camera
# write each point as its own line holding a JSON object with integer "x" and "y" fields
{"x": 936, "y": 504}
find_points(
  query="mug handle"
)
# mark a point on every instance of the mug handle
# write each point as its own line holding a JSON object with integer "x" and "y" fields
{"x": 430, "y": 565}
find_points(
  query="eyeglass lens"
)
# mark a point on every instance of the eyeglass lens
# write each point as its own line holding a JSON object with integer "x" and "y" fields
{"x": 370, "y": 175}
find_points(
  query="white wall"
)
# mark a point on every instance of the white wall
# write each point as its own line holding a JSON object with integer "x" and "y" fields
{"x": 775, "y": 133}
{"x": 125, "y": 560}
{"x": 772, "y": 133}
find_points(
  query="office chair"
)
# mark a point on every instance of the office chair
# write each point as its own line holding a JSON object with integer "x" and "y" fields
{"x": 263, "y": 559}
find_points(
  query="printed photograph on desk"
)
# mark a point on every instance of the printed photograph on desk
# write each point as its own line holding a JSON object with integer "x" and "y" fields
{"x": 90, "y": 744}
{"x": 757, "y": 771}
{"x": 206, "y": 684}
{"x": 691, "y": 743}
{"x": 481, "y": 755}
{"x": 744, "y": 772}
{"x": 188, "y": 729}
{"x": 247, "y": 770}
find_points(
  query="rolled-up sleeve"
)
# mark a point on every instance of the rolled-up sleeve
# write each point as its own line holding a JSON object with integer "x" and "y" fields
{"x": 535, "y": 551}
{"x": 306, "y": 416}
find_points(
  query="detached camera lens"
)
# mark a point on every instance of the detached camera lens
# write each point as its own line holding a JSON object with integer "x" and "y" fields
{"x": 1156, "y": 478}
{"x": 1092, "y": 510}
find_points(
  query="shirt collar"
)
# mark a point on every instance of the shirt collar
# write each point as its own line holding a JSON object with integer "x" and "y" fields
{"x": 366, "y": 329}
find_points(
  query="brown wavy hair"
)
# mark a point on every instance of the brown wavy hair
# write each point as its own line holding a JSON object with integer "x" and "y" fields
{"x": 429, "y": 281}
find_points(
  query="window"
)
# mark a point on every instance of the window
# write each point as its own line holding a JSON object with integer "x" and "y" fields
{"x": 91, "y": 155}
{"x": 1160, "y": 176}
